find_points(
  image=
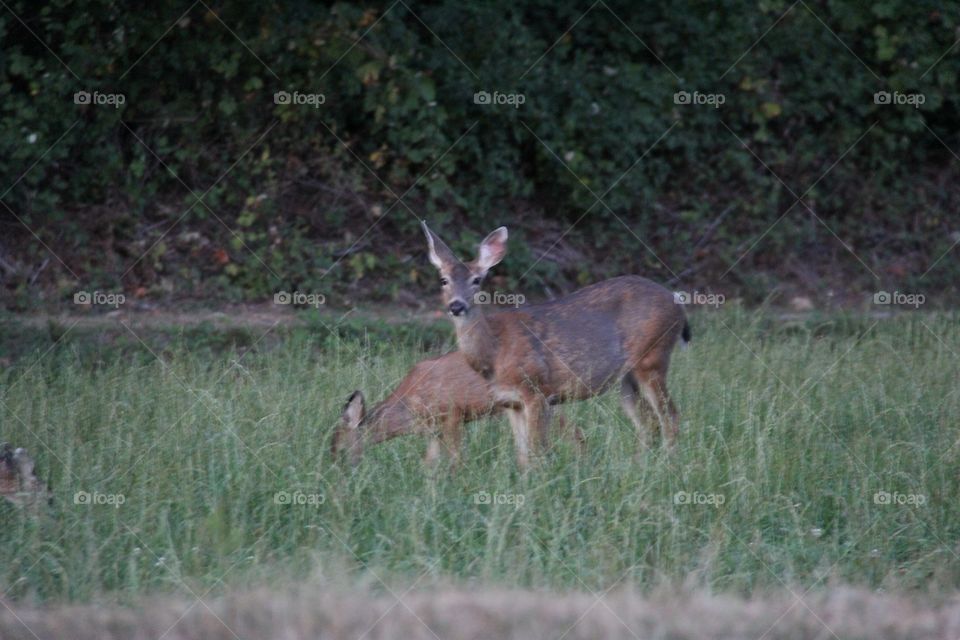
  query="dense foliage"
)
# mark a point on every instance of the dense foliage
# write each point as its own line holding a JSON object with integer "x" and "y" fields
{"x": 188, "y": 178}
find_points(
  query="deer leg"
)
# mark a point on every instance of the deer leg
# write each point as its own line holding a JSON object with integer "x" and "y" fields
{"x": 521, "y": 435}
{"x": 433, "y": 451}
{"x": 635, "y": 406}
{"x": 629, "y": 398}
{"x": 537, "y": 415}
{"x": 453, "y": 435}
{"x": 654, "y": 386}
{"x": 434, "y": 446}
{"x": 446, "y": 434}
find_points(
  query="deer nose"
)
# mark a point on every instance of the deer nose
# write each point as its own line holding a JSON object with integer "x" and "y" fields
{"x": 457, "y": 308}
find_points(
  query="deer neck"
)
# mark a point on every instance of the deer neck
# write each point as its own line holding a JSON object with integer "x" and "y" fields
{"x": 387, "y": 420}
{"x": 477, "y": 342}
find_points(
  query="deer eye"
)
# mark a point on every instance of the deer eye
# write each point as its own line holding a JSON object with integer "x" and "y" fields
{"x": 477, "y": 280}
{"x": 444, "y": 282}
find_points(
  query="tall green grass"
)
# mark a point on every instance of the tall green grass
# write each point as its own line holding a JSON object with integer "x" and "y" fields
{"x": 795, "y": 428}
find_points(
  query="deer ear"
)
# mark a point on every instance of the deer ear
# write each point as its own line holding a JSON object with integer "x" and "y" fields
{"x": 439, "y": 253}
{"x": 492, "y": 249}
{"x": 354, "y": 410}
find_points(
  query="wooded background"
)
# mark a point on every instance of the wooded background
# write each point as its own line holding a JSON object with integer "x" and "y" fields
{"x": 183, "y": 178}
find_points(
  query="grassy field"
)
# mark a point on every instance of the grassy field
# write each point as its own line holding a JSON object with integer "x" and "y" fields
{"x": 813, "y": 452}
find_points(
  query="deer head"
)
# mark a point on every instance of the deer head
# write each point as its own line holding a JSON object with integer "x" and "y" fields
{"x": 346, "y": 437}
{"x": 460, "y": 282}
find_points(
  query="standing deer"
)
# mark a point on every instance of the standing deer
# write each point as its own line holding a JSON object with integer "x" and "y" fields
{"x": 571, "y": 348}
{"x": 437, "y": 395}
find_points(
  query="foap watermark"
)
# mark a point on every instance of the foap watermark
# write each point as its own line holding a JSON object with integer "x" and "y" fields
{"x": 898, "y": 297}
{"x": 485, "y": 497}
{"x": 299, "y": 297}
{"x": 698, "y": 498}
{"x": 714, "y": 100}
{"x": 115, "y": 100}
{"x": 97, "y": 498}
{"x": 696, "y": 297}
{"x": 499, "y": 298}
{"x": 512, "y": 99}
{"x": 912, "y": 99}
{"x": 310, "y": 99}
{"x": 900, "y": 499}
{"x": 99, "y": 298}
{"x": 299, "y": 498}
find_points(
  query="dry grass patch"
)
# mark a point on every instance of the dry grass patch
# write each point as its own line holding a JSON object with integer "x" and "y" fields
{"x": 312, "y": 610}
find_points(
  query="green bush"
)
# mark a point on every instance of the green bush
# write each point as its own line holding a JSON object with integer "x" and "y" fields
{"x": 287, "y": 190}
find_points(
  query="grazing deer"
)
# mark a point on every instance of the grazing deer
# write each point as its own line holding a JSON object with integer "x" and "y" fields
{"x": 571, "y": 348}
{"x": 438, "y": 394}
{"x": 19, "y": 484}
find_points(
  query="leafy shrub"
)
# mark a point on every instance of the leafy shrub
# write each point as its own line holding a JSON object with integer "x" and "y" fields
{"x": 283, "y": 194}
